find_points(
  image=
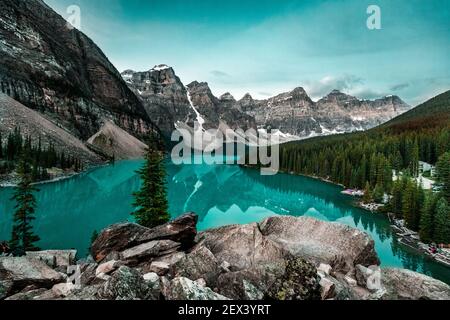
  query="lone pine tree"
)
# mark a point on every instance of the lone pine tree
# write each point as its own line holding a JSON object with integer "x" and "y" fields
{"x": 23, "y": 238}
{"x": 151, "y": 200}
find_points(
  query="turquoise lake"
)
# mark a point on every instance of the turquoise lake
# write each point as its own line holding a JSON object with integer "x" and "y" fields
{"x": 70, "y": 210}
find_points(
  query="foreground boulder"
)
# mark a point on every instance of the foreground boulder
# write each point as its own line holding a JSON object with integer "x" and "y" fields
{"x": 125, "y": 284}
{"x": 18, "y": 273}
{"x": 242, "y": 246}
{"x": 122, "y": 236}
{"x": 337, "y": 245}
{"x": 401, "y": 284}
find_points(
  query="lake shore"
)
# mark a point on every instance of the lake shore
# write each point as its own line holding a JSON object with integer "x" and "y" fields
{"x": 12, "y": 181}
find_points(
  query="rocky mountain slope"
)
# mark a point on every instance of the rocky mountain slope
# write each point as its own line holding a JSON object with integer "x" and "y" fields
{"x": 60, "y": 72}
{"x": 293, "y": 113}
{"x": 267, "y": 260}
{"x": 296, "y": 114}
{"x": 163, "y": 96}
{"x": 117, "y": 143}
{"x": 170, "y": 103}
{"x": 33, "y": 124}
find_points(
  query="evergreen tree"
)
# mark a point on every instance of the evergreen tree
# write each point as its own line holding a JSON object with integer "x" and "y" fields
{"x": 443, "y": 175}
{"x": 151, "y": 200}
{"x": 23, "y": 238}
{"x": 427, "y": 218}
{"x": 414, "y": 164}
{"x": 367, "y": 194}
{"x": 442, "y": 227}
{"x": 396, "y": 202}
{"x": 408, "y": 200}
{"x": 378, "y": 193}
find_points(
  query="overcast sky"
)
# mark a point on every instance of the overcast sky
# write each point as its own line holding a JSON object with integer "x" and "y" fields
{"x": 266, "y": 47}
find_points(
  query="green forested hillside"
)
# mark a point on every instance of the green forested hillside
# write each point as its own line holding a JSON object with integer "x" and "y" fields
{"x": 366, "y": 160}
{"x": 434, "y": 112}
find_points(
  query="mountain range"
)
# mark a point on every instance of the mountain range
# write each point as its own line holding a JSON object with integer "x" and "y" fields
{"x": 59, "y": 73}
{"x": 294, "y": 113}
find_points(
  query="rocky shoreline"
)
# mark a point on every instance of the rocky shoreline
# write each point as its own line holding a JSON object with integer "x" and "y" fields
{"x": 282, "y": 258}
{"x": 11, "y": 181}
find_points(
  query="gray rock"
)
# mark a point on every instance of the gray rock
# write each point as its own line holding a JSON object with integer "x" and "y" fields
{"x": 201, "y": 282}
{"x": 55, "y": 258}
{"x": 23, "y": 271}
{"x": 125, "y": 284}
{"x": 401, "y": 284}
{"x": 340, "y": 246}
{"x": 299, "y": 282}
{"x": 85, "y": 293}
{"x": 120, "y": 237}
{"x": 248, "y": 284}
{"x": 200, "y": 263}
{"x": 242, "y": 246}
{"x": 325, "y": 269}
{"x": 88, "y": 274}
{"x": 154, "y": 285}
{"x": 186, "y": 289}
{"x": 369, "y": 278}
{"x": 251, "y": 291}
{"x": 342, "y": 290}
{"x": 108, "y": 267}
{"x": 327, "y": 289}
{"x": 161, "y": 265}
{"x": 150, "y": 249}
{"x": 350, "y": 281}
{"x": 63, "y": 289}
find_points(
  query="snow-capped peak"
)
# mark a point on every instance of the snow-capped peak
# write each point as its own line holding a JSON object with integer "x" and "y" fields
{"x": 160, "y": 67}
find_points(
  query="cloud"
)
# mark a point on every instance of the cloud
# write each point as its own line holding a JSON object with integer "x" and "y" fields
{"x": 368, "y": 94}
{"x": 329, "y": 83}
{"x": 265, "y": 94}
{"x": 400, "y": 86}
{"x": 219, "y": 74}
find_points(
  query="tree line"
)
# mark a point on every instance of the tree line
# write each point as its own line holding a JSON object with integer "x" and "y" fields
{"x": 40, "y": 158}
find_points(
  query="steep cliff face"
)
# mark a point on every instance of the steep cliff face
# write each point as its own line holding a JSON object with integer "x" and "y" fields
{"x": 169, "y": 102}
{"x": 217, "y": 111}
{"x": 60, "y": 72}
{"x": 163, "y": 96}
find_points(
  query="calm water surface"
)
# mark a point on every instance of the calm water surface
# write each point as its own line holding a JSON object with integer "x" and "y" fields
{"x": 70, "y": 210}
